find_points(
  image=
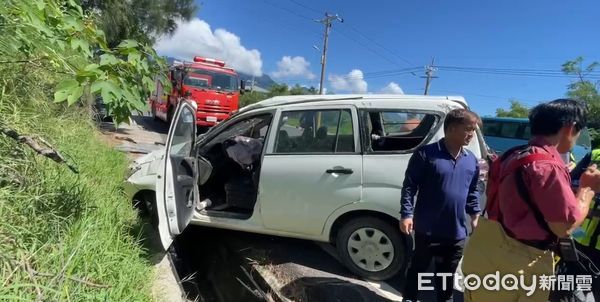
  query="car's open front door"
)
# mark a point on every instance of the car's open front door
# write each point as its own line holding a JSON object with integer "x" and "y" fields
{"x": 176, "y": 185}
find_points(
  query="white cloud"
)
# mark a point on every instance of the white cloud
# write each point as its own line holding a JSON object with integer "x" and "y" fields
{"x": 352, "y": 82}
{"x": 392, "y": 88}
{"x": 195, "y": 38}
{"x": 296, "y": 67}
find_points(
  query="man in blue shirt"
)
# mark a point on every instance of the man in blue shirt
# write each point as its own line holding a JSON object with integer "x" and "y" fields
{"x": 445, "y": 175}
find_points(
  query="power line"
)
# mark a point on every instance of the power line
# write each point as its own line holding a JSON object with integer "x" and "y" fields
{"x": 288, "y": 10}
{"x": 293, "y": 28}
{"x": 307, "y": 7}
{"x": 380, "y": 45}
{"x": 368, "y": 48}
{"x": 525, "y": 100}
{"x": 515, "y": 72}
{"x": 384, "y": 74}
{"x": 359, "y": 33}
{"x": 522, "y": 74}
{"x": 343, "y": 33}
{"x": 365, "y": 75}
{"x": 507, "y": 69}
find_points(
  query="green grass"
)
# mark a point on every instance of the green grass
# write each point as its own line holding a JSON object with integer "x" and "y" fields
{"x": 68, "y": 227}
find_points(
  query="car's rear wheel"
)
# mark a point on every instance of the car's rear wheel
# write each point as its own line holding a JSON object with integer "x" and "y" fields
{"x": 371, "y": 248}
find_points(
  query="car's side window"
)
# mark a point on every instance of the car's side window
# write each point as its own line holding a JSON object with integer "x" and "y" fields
{"x": 509, "y": 130}
{"x": 526, "y": 132}
{"x": 396, "y": 130}
{"x": 183, "y": 134}
{"x": 315, "y": 131}
{"x": 491, "y": 128}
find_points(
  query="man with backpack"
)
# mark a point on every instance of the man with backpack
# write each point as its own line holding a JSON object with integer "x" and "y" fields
{"x": 531, "y": 209}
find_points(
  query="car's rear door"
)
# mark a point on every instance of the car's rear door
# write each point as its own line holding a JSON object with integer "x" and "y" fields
{"x": 312, "y": 167}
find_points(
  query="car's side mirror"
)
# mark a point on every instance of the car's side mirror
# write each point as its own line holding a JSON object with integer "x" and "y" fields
{"x": 242, "y": 86}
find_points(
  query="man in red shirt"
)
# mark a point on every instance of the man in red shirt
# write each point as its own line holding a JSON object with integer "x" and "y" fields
{"x": 555, "y": 127}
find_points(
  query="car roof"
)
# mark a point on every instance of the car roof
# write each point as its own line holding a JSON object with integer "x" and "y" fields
{"x": 364, "y": 101}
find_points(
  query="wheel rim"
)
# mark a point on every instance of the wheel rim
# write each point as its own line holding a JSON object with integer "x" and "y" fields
{"x": 370, "y": 249}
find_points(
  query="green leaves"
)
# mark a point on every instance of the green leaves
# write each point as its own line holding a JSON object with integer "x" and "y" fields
{"x": 74, "y": 96}
{"x": 69, "y": 43}
{"x": 69, "y": 90}
{"x": 108, "y": 59}
{"x": 134, "y": 57}
{"x": 81, "y": 45}
{"x": 128, "y": 44}
{"x": 517, "y": 109}
{"x": 149, "y": 83}
{"x": 108, "y": 90}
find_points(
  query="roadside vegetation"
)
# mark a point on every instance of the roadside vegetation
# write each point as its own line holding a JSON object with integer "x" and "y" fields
{"x": 63, "y": 236}
{"x": 67, "y": 232}
{"x": 275, "y": 90}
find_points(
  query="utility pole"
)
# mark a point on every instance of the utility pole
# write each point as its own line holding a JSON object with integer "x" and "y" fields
{"x": 327, "y": 22}
{"x": 429, "y": 70}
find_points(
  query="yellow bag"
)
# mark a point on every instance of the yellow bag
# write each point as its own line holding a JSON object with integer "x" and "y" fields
{"x": 490, "y": 251}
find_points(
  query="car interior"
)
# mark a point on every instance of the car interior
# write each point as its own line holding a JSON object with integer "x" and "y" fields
{"x": 324, "y": 131}
{"x": 397, "y": 131}
{"x": 229, "y": 167}
{"x": 229, "y": 163}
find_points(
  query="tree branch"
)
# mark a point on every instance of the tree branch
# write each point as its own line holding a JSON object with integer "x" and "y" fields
{"x": 47, "y": 151}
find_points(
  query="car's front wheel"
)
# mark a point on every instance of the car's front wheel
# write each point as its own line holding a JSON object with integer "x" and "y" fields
{"x": 371, "y": 248}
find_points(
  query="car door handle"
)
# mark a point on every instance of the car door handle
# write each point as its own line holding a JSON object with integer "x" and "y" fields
{"x": 339, "y": 171}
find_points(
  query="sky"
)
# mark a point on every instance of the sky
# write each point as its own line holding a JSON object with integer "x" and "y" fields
{"x": 377, "y": 43}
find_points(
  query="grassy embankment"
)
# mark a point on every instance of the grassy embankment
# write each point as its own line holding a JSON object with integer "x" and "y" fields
{"x": 63, "y": 236}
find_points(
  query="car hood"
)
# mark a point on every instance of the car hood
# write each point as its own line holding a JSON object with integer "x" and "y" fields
{"x": 146, "y": 165}
{"x": 150, "y": 157}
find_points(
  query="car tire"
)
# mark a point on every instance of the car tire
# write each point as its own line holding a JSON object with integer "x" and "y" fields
{"x": 371, "y": 248}
{"x": 146, "y": 206}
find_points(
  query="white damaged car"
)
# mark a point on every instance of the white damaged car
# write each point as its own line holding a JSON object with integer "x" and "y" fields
{"x": 324, "y": 168}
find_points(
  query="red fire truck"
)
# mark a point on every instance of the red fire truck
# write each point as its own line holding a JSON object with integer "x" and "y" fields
{"x": 215, "y": 88}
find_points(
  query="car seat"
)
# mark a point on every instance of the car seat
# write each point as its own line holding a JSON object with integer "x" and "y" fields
{"x": 282, "y": 144}
{"x": 321, "y": 142}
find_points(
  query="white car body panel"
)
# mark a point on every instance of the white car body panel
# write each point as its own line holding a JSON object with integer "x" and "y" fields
{"x": 303, "y": 188}
{"x": 294, "y": 199}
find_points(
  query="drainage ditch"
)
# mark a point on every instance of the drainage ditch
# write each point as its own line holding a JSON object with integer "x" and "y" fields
{"x": 209, "y": 270}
